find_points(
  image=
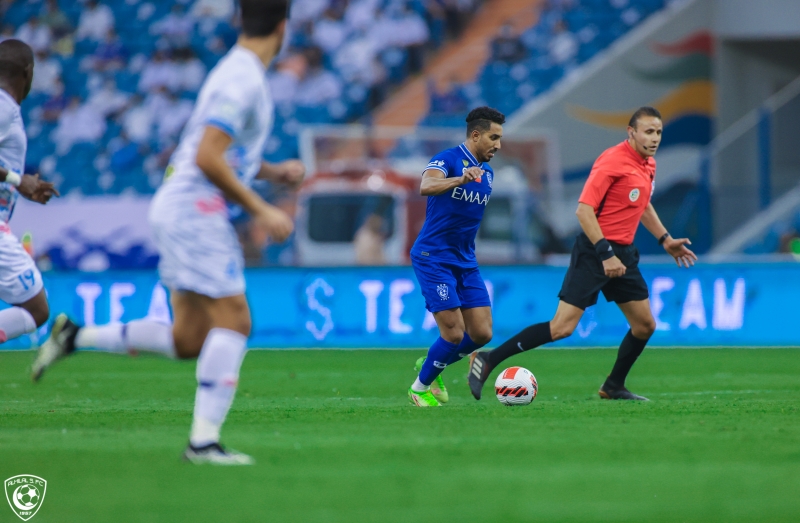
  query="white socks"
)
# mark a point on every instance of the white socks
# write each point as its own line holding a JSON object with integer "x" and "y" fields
{"x": 143, "y": 335}
{"x": 418, "y": 386}
{"x": 217, "y": 378}
{"x": 14, "y": 322}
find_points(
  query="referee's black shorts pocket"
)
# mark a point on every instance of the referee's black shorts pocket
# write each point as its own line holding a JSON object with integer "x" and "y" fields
{"x": 628, "y": 287}
{"x": 585, "y": 276}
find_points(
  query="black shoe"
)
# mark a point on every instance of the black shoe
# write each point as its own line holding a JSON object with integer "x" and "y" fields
{"x": 60, "y": 344}
{"x": 618, "y": 393}
{"x": 479, "y": 370}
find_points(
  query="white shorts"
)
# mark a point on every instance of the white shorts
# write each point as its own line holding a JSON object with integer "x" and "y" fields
{"x": 199, "y": 248}
{"x": 20, "y": 280}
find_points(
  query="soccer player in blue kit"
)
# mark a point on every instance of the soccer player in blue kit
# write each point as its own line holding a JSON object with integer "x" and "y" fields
{"x": 458, "y": 184}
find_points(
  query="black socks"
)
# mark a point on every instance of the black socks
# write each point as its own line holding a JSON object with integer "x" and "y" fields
{"x": 528, "y": 339}
{"x": 629, "y": 350}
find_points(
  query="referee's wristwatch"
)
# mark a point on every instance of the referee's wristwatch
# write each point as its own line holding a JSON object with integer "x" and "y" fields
{"x": 663, "y": 238}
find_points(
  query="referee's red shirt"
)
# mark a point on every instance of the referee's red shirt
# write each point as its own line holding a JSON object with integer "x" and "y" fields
{"x": 619, "y": 189}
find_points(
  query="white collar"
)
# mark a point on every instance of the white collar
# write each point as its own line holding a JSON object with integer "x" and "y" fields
{"x": 250, "y": 54}
{"x": 464, "y": 148}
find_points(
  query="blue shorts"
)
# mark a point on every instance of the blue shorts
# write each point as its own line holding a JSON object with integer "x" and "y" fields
{"x": 447, "y": 286}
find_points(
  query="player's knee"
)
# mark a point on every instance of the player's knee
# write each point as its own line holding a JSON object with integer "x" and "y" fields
{"x": 40, "y": 313}
{"x": 186, "y": 348}
{"x": 454, "y": 336}
{"x": 644, "y": 329}
{"x": 559, "y": 331}
{"x": 482, "y": 337}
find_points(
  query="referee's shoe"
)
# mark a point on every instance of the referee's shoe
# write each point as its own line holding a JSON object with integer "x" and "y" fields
{"x": 611, "y": 391}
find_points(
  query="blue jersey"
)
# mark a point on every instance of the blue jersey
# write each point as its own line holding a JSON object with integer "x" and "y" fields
{"x": 452, "y": 219}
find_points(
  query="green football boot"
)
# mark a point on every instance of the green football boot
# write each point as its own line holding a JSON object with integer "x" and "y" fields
{"x": 422, "y": 399}
{"x": 438, "y": 389}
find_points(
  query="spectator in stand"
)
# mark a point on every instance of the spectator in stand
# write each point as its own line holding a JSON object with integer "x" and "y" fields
{"x": 450, "y": 100}
{"x": 217, "y": 10}
{"x": 7, "y": 33}
{"x": 138, "y": 121}
{"x": 108, "y": 100}
{"x": 412, "y": 34}
{"x": 48, "y": 73}
{"x": 171, "y": 119}
{"x": 356, "y": 61}
{"x": 361, "y": 14}
{"x": 35, "y": 34}
{"x": 286, "y": 77}
{"x": 53, "y": 106}
{"x": 160, "y": 72}
{"x": 563, "y": 45}
{"x": 192, "y": 71}
{"x": 176, "y": 28}
{"x": 78, "y": 123}
{"x": 454, "y": 14}
{"x": 124, "y": 153}
{"x": 307, "y": 10}
{"x": 319, "y": 86}
{"x": 54, "y": 18}
{"x": 507, "y": 47}
{"x": 330, "y": 32}
{"x": 110, "y": 54}
{"x": 95, "y": 21}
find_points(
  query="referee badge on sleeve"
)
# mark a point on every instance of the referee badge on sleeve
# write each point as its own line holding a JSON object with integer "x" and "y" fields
{"x": 634, "y": 195}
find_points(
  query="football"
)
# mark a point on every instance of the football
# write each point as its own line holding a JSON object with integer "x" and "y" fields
{"x": 516, "y": 386}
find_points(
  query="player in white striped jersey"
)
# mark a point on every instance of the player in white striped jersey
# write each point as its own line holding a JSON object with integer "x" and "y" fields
{"x": 201, "y": 262}
{"x": 20, "y": 281}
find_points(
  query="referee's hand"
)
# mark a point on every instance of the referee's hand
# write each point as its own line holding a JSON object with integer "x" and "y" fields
{"x": 614, "y": 267}
{"x": 676, "y": 247}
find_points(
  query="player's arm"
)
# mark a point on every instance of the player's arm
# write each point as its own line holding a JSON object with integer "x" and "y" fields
{"x": 29, "y": 185}
{"x": 435, "y": 183}
{"x": 612, "y": 265}
{"x": 594, "y": 192}
{"x": 290, "y": 172}
{"x": 676, "y": 247}
{"x": 211, "y": 160}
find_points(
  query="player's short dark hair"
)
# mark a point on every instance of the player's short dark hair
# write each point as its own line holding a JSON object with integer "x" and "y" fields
{"x": 643, "y": 111}
{"x": 15, "y": 57}
{"x": 482, "y": 118}
{"x": 262, "y": 17}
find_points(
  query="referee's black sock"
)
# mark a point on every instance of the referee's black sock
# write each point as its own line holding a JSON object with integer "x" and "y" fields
{"x": 629, "y": 350}
{"x": 528, "y": 339}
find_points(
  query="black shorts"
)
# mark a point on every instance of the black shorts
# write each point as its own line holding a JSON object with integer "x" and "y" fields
{"x": 585, "y": 277}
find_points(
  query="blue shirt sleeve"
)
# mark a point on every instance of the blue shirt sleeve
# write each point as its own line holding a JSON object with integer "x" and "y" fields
{"x": 440, "y": 162}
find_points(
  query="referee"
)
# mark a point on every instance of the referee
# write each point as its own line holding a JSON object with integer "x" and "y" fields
{"x": 615, "y": 198}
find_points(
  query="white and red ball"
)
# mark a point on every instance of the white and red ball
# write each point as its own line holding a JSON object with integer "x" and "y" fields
{"x": 516, "y": 386}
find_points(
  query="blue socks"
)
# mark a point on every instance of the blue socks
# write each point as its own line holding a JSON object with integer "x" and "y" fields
{"x": 465, "y": 348}
{"x": 438, "y": 356}
{"x": 443, "y": 353}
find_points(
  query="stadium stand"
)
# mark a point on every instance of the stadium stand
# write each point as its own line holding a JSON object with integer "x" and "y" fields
{"x": 521, "y": 66}
{"x": 113, "y": 97}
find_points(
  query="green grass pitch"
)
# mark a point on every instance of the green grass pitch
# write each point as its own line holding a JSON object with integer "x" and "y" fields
{"x": 336, "y": 441}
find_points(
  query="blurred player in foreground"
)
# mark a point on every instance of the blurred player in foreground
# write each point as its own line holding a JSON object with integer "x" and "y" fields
{"x": 201, "y": 262}
{"x": 614, "y": 200}
{"x": 458, "y": 184}
{"x": 20, "y": 281}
